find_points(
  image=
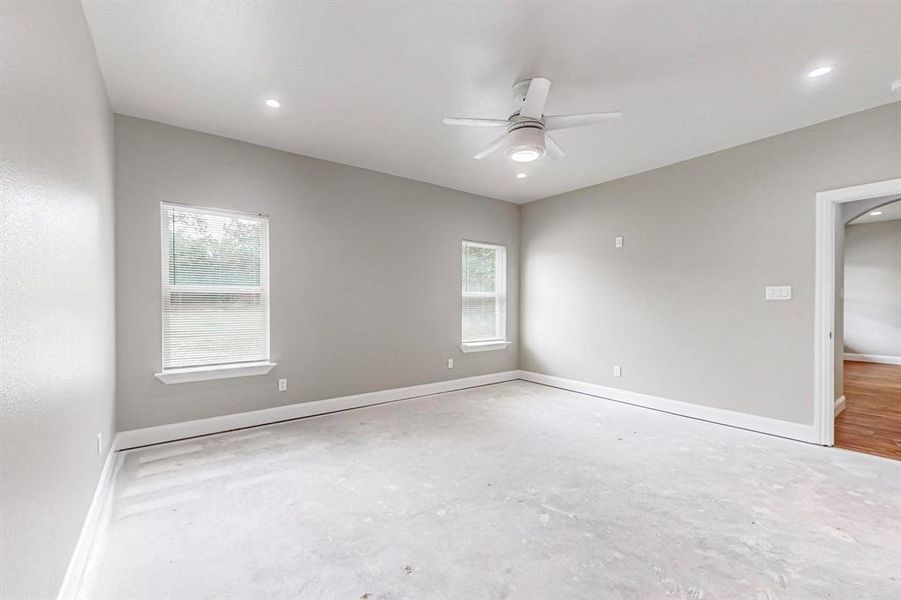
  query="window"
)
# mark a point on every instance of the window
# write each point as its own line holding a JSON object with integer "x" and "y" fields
{"x": 484, "y": 297}
{"x": 215, "y": 283}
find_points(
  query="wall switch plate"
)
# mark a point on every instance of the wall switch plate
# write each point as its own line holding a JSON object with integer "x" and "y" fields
{"x": 619, "y": 241}
{"x": 778, "y": 292}
{"x": 99, "y": 444}
{"x": 617, "y": 371}
{"x": 282, "y": 385}
{"x": 450, "y": 363}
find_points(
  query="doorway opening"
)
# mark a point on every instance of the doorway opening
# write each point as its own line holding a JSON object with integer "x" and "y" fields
{"x": 868, "y": 414}
{"x": 834, "y": 209}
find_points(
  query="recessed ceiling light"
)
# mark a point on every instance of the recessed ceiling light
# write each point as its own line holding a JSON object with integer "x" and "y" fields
{"x": 520, "y": 175}
{"x": 875, "y": 213}
{"x": 820, "y": 71}
{"x": 273, "y": 103}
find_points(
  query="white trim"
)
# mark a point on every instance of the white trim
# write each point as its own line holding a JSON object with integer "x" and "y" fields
{"x": 840, "y": 405}
{"x": 468, "y": 347}
{"x": 882, "y": 359}
{"x": 166, "y": 433}
{"x": 889, "y": 187}
{"x": 78, "y": 564}
{"x": 777, "y": 427}
{"x": 827, "y": 215}
{"x": 210, "y": 210}
{"x": 79, "y": 560}
{"x": 214, "y": 372}
{"x": 186, "y": 429}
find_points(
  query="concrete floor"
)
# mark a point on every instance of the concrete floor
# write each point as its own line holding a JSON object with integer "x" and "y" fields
{"x": 513, "y": 490}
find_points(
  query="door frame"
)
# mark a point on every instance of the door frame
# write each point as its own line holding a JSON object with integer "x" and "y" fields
{"x": 828, "y": 212}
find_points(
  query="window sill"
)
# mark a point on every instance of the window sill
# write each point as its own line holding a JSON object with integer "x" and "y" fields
{"x": 214, "y": 372}
{"x": 468, "y": 347}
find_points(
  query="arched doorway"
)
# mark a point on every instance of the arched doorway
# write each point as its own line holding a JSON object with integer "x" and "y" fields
{"x": 868, "y": 321}
{"x": 827, "y": 340}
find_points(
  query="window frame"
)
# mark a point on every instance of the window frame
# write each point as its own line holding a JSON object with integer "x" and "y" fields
{"x": 500, "y": 341}
{"x": 202, "y": 372}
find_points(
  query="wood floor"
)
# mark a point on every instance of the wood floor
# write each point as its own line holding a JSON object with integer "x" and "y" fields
{"x": 871, "y": 422}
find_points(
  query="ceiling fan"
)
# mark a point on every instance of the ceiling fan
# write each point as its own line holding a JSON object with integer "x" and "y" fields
{"x": 526, "y": 138}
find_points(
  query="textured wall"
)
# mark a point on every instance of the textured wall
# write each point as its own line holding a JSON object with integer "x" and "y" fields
{"x": 681, "y": 306}
{"x": 873, "y": 288}
{"x": 56, "y": 277}
{"x": 364, "y": 272}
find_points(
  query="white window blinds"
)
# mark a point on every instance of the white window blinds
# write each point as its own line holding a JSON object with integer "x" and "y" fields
{"x": 215, "y": 287}
{"x": 484, "y": 292}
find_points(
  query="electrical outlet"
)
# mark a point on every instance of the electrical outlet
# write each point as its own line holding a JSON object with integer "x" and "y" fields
{"x": 282, "y": 385}
{"x": 99, "y": 444}
{"x": 619, "y": 241}
{"x": 450, "y": 363}
{"x": 617, "y": 371}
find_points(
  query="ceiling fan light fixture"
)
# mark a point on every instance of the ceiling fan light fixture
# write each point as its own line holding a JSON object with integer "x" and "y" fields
{"x": 525, "y": 144}
{"x": 523, "y": 156}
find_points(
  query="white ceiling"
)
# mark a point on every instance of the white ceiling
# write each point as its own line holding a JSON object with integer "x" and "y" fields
{"x": 367, "y": 83}
{"x": 890, "y": 212}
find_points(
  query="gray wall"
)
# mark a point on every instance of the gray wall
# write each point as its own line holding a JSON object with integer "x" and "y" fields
{"x": 57, "y": 363}
{"x": 681, "y": 306}
{"x": 365, "y": 272}
{"x": 873, "y": 288}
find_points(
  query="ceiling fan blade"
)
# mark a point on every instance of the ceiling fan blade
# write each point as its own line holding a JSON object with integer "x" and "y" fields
{"x": 496, "y": 144}
{"x": 557, "y": 122}
{"x": 476, "y": 122}
{"x": 533, "y": 106}
{"x": 553, "y": 148}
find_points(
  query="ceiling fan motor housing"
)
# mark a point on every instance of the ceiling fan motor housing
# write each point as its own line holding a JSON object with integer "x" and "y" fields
{"x": 520, "y": 90}
{"x": 525, "y": 143}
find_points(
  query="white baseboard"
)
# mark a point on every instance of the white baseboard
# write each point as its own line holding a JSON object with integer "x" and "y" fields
{"x": 777, "y": 427}
{"x": 124, "y": 440}
{"x": 882, "y": 359}
{"x": 840, "y": 405}
{"x": 78, "y": 563}
{"x": 177, "y": 431}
